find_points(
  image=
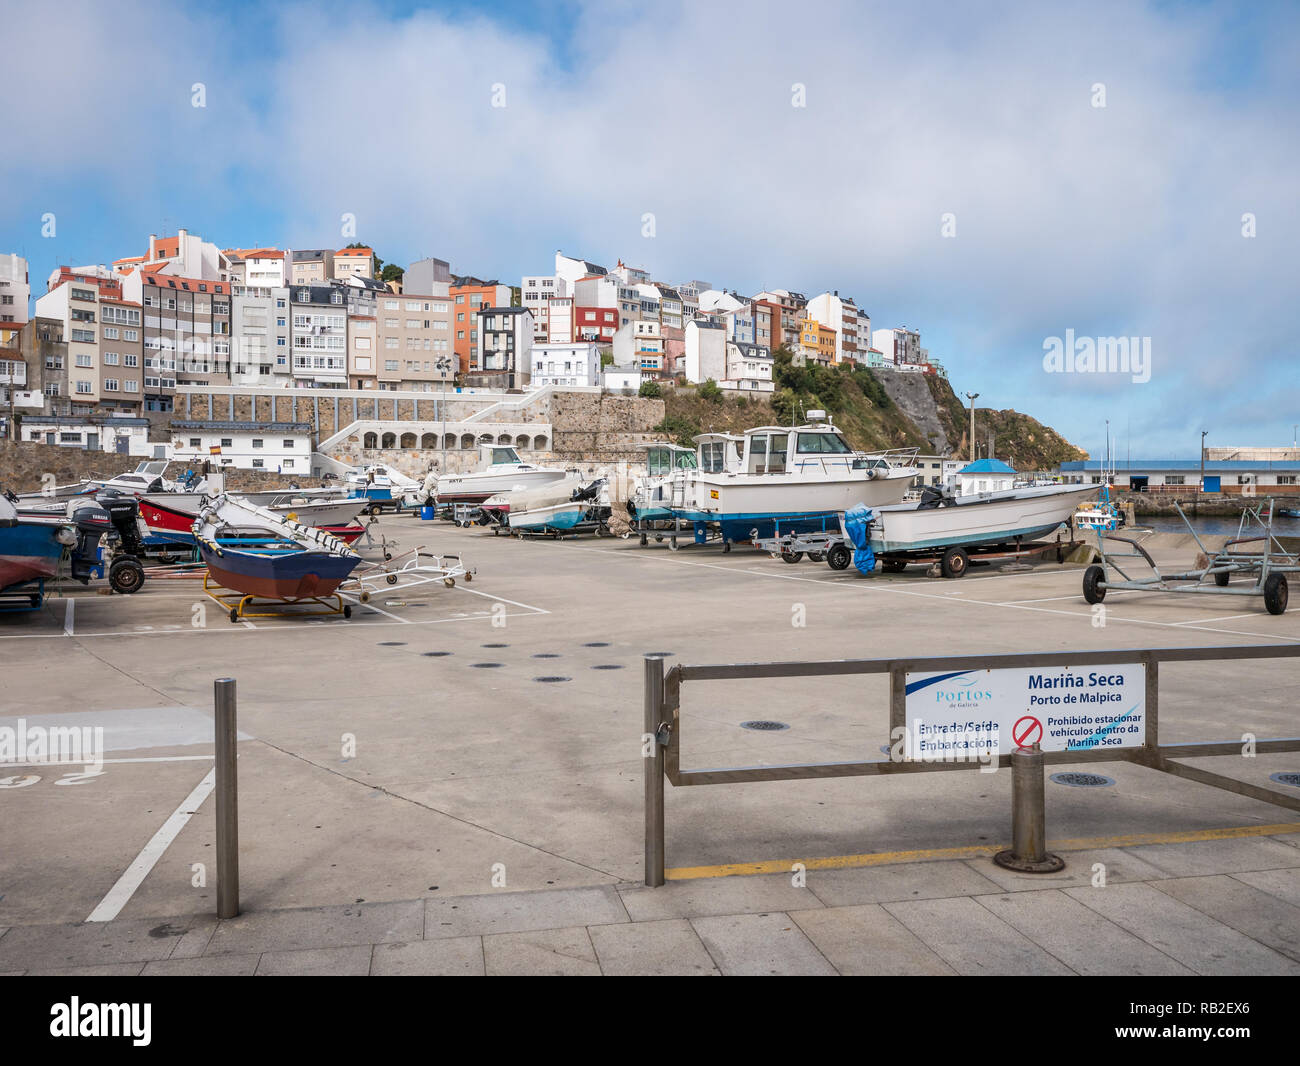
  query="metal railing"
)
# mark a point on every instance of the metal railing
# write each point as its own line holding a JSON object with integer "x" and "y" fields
{"x": 662, "y": 736}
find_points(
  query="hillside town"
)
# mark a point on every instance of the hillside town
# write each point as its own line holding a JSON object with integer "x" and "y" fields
{"x": 105, "y": 343}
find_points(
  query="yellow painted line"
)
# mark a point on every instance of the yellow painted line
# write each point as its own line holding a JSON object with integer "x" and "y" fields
{"x": 886, "y": 858}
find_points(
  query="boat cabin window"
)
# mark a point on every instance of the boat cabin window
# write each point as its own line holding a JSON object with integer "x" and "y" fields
{"x": 661, "y": 461}
{"x": 713, "y": 456}
{"x": 822, "y": 444}
{"x": 504, "y": 455}
{"x": 767, "y": 453}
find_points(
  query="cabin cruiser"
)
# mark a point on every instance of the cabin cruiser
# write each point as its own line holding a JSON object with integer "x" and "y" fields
{"x": 499, "y": 469}
{"x": 147, "y": 477}
{"x": 744, "y": 484}
{"x": 378, "y": 482}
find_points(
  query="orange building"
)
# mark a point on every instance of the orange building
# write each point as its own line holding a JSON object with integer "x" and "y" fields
{"x": 468, "y": 295}
{"x": 817, "y": 341}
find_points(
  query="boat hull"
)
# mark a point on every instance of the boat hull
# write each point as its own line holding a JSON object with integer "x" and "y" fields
{"x": 475, "y": 488}
{"x": 28, "y": 552}
{"x": 295, "y": 576}
{"x": 172, "y": 519}
{"x": 560, "y": 516}
{"x": 999, "y": 518}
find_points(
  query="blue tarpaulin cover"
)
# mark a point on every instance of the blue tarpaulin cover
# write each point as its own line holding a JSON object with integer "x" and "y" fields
{"x": 857, "y": 523}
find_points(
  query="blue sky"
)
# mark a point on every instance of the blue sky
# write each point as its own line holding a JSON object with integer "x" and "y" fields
{"x": 1122, "y": 220}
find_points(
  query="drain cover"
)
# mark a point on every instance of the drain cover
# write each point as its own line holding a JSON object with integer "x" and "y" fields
{"x": 608, "y": 666}
{"x": 597, "y": 644}
{"x": 546, "y": 655}
{"x": 658, "y": 654}
{"x": 435, "y": 654}
{"x": 485, "y": 666}
{"x": 392, "y": 644}
{"x": 760, "y": 724}
{"x": 1289, "y": 777}
{"x": 551, "y": 680}
{"x": 494, "y": 645}
{"x": 1081, "y": 780}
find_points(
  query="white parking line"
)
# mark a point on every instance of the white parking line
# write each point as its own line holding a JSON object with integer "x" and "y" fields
{"x": 68, "y": 616}
{"x": 120, "y": 894}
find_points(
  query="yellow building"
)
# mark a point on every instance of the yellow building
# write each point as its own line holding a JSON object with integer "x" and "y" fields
{"x": 817, "y": 342}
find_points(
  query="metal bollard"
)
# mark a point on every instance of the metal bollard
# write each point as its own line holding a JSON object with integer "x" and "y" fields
{"x": 1028, "y": 852}
{"x": 654, "y": 773}
{"x": 227, "y": 800}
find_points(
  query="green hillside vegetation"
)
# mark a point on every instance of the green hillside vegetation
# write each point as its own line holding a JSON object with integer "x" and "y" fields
{"x": 860, "y": 407}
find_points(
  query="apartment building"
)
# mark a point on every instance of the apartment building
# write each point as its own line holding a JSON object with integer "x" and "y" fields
{"x": 468, "y": 295}
{"x": 261, "y": 339}
{"x": 559, "y": 320}
{"x": 536, "y": 292}
{"x": 566, "y": 364}
{"x": 185, "y": 255}
{"x": 502, "y": 358}
{"x": 630, "y": 275}
{"x": 354, "y": 262}
{"x": 785, "y": 310}
{"x": 363, "y": 351}
{"x": 45, "y": 351}
{"x": 311, "y": 266}
{"x": 749, "y": 368}
{"x": 121, "y": 356}
{"x": 569, "y": 270}
{"x": 670, "y": 307}
{"x": 15, "y": 288}
{"x": 841, "y": 315}
{"x": 74, "y": 303}
{"x": 318, "y": 330}
{"x": 427, "y": 275}
{"x": 595, "y": 324}
{"x": 413, "y": 349}
{"x": 901, "y": 346}
{"x": 816, "y": 343}
{"x": 257, "y": 268}
{"x": 641, "y": 344}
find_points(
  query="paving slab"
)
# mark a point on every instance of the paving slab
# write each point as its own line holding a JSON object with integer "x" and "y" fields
{"x": 1247, "y": 909}
{"x": 195, "y": 940}
{"x": 210, "y": 966}
{"x": 89, "y": 943}
{"x": 1182, "y": 932}
{"x": 972, "y": 940}
{"x": 667, "y": 948}
{"x": 756, "y": 945}
{"x": 868, "y": 940}
{"x": 700, "y": 897}
{"x": 513, "y": 912}
{"x": 316, "y": 962}
{"x": 909, "y": 880}
{"x": 460, "y": 956}
{"x": 1120, "y": 865}
{"x": 541, "y": 953}
{"x": 1218, "y": 856}
{"x": 319, "y": 927}
{"x": 1082, "y": 939}
{"x": 120, "y": 969}
{"x": 1284, "y": 884}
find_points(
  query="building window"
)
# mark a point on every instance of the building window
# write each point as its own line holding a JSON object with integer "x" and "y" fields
{"x": 227, "y": 442}
{"x": 286, "y": 444}
{"x": 257, "y": 464}
{"x": 288, "y": 464}
{"x": 110, "y": 385}
{"x": 84, "y": 387}
{"x": 257, "y": 442}
{"x": 195, "y": 442}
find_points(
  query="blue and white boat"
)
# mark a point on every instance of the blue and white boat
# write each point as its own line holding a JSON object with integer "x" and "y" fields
{"x": 744, "y": 485}
{"x": 655, "y": 492}
{"x": 31, "y": 545}
{"x": 566, "y": 507}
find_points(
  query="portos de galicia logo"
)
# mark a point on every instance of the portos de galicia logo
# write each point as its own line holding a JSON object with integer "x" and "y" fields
{"x": 962, "y": 691}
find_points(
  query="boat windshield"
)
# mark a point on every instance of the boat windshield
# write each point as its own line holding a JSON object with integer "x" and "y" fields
{"x": 660, "y": 461}
{"x": 713, "y": 456}
{"x": 504, "y": 455}
{"x": 822, "y": 444}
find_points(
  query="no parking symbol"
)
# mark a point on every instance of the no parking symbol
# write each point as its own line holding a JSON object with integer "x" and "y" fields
{"x": 1027, "y": 731}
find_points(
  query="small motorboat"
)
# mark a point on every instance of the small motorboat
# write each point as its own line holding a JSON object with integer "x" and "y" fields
{"x": 170, "y": 516}
{"x": 1289, "y": 512}
{"x": 257, "y": 552}
{"x": 31, "y": 545}
{"x": 566, "y": 507}
{"x": 499, "y": 469}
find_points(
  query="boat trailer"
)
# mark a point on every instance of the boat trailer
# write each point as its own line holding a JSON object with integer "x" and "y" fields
{"x": 419, "y": 568}
{"x": 1267, "y": 565}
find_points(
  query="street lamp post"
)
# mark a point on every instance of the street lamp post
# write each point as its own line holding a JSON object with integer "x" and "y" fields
{"x": 972, "y": 396}
{"x": 1201, "y": 488}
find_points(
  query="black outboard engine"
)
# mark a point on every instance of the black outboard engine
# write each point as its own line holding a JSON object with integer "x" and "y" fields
{"x": 932, "y": 497}
{"x": 113, "y": 516}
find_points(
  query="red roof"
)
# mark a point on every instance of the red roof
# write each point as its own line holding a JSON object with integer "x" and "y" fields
{"x": 354, "y": 251}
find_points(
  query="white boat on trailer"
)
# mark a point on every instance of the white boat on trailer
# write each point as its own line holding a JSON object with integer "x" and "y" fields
{"x": 743, "y": 485}
{"x": 939, "y": 527}
{"x": 499, "y": 470}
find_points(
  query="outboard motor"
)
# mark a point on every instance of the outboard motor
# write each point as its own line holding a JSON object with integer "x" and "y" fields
{"x": 114, "y": 516}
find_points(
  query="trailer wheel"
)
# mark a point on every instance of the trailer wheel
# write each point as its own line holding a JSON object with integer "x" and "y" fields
{"x": 388, "y": 555}
{"x": 1093, "y": 584}
{"x": 816, "y": 557}
{"x": 450, "y": 582}
{"x": 643, "y": 540}
{"x": 347, "y": 610}
{"x": 893, "y": 566}
{"x": 234, "y": 614}
{"x": 391, "y": 579}
{"x": 373, "y": 510}
{"x": 839, "y": 557}
{"x": 364, "y": 597}
{"x": 1275, "y": 593}
{"x": 791, "y": 557}
{"x": 954, "y": 562}
{"x": 1221, "y": 579}
{"x": 126, "y": 576}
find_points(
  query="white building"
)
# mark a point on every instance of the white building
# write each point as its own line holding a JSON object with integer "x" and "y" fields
{"x": 621, "y": 379}
{"x": 985, "y": 475}
{"x": 640, "y": 344}
{"x": 282, "y": 447}
{"x": 260, "y": 345}
{"x": 15, "y": 288}
{"x": 566, "y": 364}
{"x": 852, "y": 327}
{"x": 264, "y": 268}
{"x": 749, "y": 368}
{"x": 569, "y": 270}
{"x": 125, "y": 436}
{"x": 536, "y": 291}
{"x": 706, "y": 351}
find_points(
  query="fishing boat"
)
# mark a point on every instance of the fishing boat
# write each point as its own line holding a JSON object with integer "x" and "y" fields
{"x": 499, "y": 469}
{"x": 1289, "y": 512}
{"x": 940, "y": 520}
{"x": 257, "y": 552}
{"x": 1100, "y": 514}
{"x": 170, "y": 516}
{"x": 743, "y": 484}
{"x": 31, "y": 545}
{"x": 147, "y": 477}
{"x": 654, "y": 492}
{"x": 563, "y": 507}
